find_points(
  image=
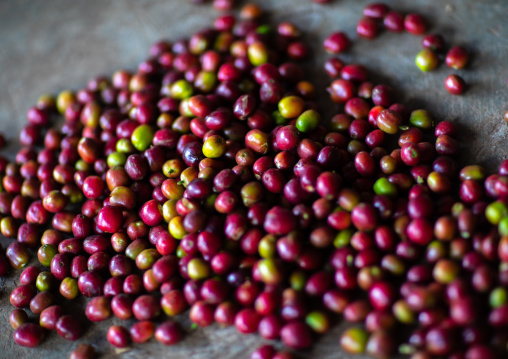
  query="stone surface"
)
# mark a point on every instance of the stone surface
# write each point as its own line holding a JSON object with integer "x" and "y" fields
{"x": 47, "y": 46}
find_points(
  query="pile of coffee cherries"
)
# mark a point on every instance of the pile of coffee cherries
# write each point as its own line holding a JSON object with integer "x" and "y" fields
{"x": 207, "y": 181}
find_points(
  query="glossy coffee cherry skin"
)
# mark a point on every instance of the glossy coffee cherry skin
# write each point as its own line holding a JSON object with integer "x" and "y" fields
{"x": 28, "y": 335}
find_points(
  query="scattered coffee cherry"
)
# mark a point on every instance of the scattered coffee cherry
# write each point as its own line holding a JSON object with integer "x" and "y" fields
{"x": 17, "y": 318}
{"x": 169, "y": 333}
{"x": 263, "y": 352}
{"x": 223, "y": 5}
{"x": 28, "y": 335}
{"x": 367, "y": 28}
{"x": 415, "y": 24}
{"x": 336, "y": 42}
{"x": 434, "y": 42}
{"x": 454, "y": 84}
{"x": 394, "y": 21}
{"x": 427, "y": 60}
{"x": 354, "y": 340}
{"x": 83, "y": 351}
{"x": 69, "y": 327}
{"x": 457, "y": 58}
{"x": 376, "y": 11}
{"x": 118, "y": 336}
{"x": 250, "y": 12}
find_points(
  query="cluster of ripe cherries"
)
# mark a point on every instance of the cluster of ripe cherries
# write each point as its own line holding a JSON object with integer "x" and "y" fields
{"x": 206, "y": 180}
{"x": 368, "y": 27}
